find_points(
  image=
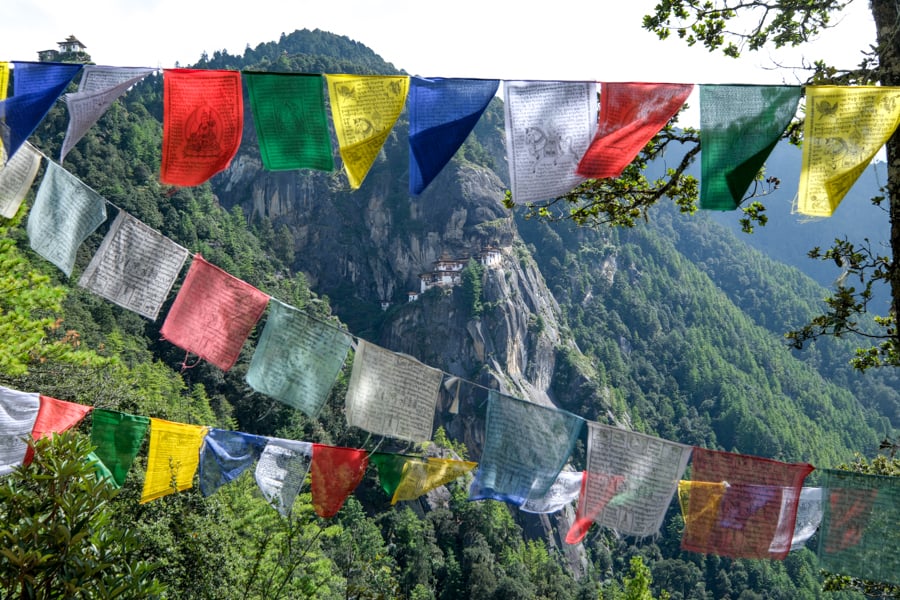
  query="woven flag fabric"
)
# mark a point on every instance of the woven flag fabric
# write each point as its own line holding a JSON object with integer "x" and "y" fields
{"x": 442, "y": 113}
{"x": 172, "y": 459}
{"x": 55, "y": 416}
{"x": 549, "y": 126}
{"x": 758, "y": 510}
{"x": 4, "y": 79}
{"x": 630, "y": 115}
{"x": 16, "y": 178}
{"x": 98, "y": 88}
{"x": 844, "y": 129}
{"x": 225, "y": 455}
{"x": 364, "y": 109}
{"x": 390, "y": 469}
{"x": 281, "y": 470}
{"x": 203, "y": 119}
{"x": 392, "y": 394}
{"x": 334, "y": 474}
{"x": 564, "y": 491}
{"x": 36, "y": 88}
{"x": 18, "y": 412}
{"x": 700, "y": 502}
{"x": 809, "y": 516}
{"x": 290, "y": 120}
{"x": 859, "y": 535}
{"x": 297, "y": 359}
{"x": 420, "y": 476}
{"x": 117, "y": 437}
{"x": 135, "y": 266}
{"x": 65, "y": 212}
{"x": 739, "y": 127}
{"x": 525, "y": 448}
{"x": 213, "y": 314}
{"x": 649, "y": 469}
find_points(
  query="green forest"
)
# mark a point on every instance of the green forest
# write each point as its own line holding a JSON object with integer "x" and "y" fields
{"x": 673, "y": 328}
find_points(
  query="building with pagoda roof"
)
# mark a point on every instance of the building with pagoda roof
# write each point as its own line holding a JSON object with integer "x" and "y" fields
{"x": 69, "y": 50}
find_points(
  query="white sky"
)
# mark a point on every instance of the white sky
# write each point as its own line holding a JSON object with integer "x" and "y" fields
{"x": 558, "y": 40}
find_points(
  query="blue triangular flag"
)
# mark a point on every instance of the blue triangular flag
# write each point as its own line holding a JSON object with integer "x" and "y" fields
{"x": 225, "y": 455}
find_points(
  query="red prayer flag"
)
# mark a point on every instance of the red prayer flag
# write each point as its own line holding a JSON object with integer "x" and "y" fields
{"x": 334, "y": 474}
{"x": 55, "y": 416}
{"x": 203, "y": 119}
{"x": 630, "y": 115}
{"x": 213, "y": 313}
{"x": 760, "y": 500}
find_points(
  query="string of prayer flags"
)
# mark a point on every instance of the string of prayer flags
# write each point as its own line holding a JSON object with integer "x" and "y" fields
{"x": 525, "y": 448}
{"x": 225, "y": 455}
{"x": 290, "y": 120}
{"x": 390, "y": 469}
{"x": 65, "y": 212}
{"x": 55, "y": 416}
{"x": 98, "y": 88}
{"x": 392, "y": 394}
{"x": 564, "y": 491}
{"x": 364, "y": 109}
{"x": 173, "y": 458}
{"x": 16, "y": 178}
{"x": 420, "y": 476}
{"x": 442, "y": 113}
{"x": 630, "y": 115}
{"x": 645, "y": 471}
{"x": 334, "y": 474}
{"x": 213, "y": 313}
{"x": 281, "y": 470}
{"x": 844, "y": 129}
{"x": 36, "y": 86}
{"x": 758, "y": 511}
{"x": 549, "y": 126}
{"x": 740, "y": 125}
{"x": 203, "y": 119}
{"x": 859, "y": 536}
{"x": 117, "y": 438}
{"x": 135, "y": 266}
{"x": 18, "y": 412}
{"x": 297, "y": 358}
{"x": 809, "y": 516}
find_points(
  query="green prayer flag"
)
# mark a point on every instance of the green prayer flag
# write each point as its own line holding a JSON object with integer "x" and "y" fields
{"x": 739, "y": 127}
{"x": 117, "y": 437}
{"x": 100, "y": 469}
{"x": 390, "y": 470}
{"x": 290, "y": 120}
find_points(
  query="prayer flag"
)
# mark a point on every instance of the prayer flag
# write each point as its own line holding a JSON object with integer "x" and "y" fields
{"x": 16, "y": 178}
{"x": 758, "y": 510}
{"x": 390, "y": 469}
{"x": 55, "y": 416}
{"x": 65, "y": 212}
{"x": 297, "y": 359}
{"x": 564, "y": 490}
{"x": 213, "y": 313}
{"x": 549, "y": 125}
{"x": 280, "y": 472}
{"x": 364, "y": 109}
{"x": 859, "y": 535}
{"x": 700, "y": 501}
{"x": 203, "y": 119}
{"x": 630, "y": 480}
{"x": 420, "y": 476}
{"x": 118, "y": 437}
{"x": 334, "y": 474}
{"x": 844, "y": 129}
{"x": 525, "y": 448}
{"x": 392, "y": 394}
{"x": 97, "y": 90}
{"x": 135, "y": 266}
{"x": 100, "y": 470}
{"x": 173, "y": 458}
{"x": 290, "y": 120}
{"x": 809, "y": 516}
{"x": 36, "y": 88}
{"x": 18, "y": 412}
{"x": 739, "y": 127}
{"x": 630, "y": 115}
{"x": 442, "y": 113}
{"x": 225, "y": 455}
{"x": 4, "y": 79}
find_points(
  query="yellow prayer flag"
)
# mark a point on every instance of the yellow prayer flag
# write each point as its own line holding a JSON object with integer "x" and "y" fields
{"x": 364, "y": 109}
{"x": 699, "y": 502}
{"x": 173, "y": 458}
{"x": 844, "y": 129}
{"x": 420, "y": 476}
{"x": 4, "y": 79}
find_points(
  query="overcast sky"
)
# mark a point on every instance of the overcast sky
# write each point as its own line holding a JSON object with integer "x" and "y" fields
{"x": 557, "y": 40}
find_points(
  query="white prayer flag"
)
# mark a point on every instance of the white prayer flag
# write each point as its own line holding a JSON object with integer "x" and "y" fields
{"x": 280, "y": 472}
{"x": 18, "y": 412}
